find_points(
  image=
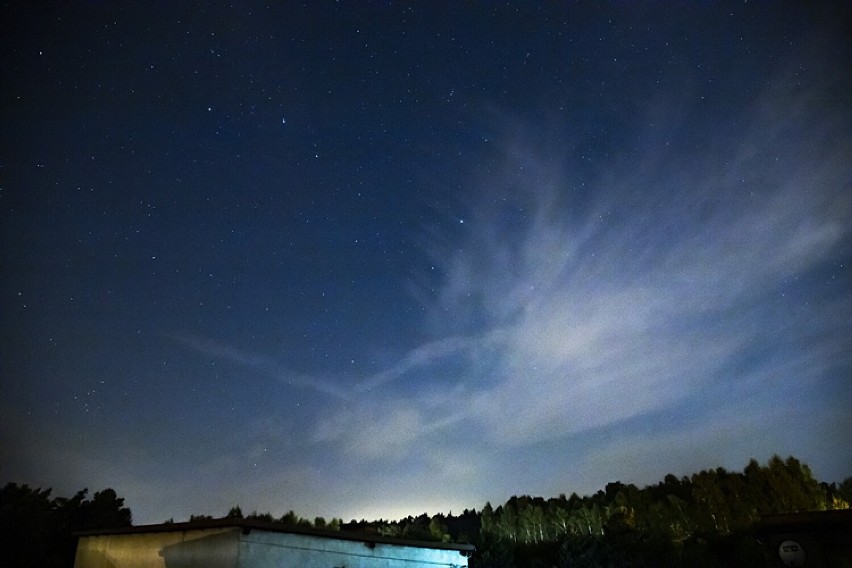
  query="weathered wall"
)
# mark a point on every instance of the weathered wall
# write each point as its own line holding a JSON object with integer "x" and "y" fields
{"x": 183, "y": 549}
{"x": 260, "y": 549}
{"x": 235, "y": 547}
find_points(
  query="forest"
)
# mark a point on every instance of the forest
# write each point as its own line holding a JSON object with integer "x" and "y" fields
{"x": 706, "y": 519}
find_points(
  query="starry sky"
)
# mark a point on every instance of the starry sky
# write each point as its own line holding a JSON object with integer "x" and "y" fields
{"x": 366, "y": 260}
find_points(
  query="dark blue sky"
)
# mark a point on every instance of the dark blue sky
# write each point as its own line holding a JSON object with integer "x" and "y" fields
{"x": 370, "y": 260}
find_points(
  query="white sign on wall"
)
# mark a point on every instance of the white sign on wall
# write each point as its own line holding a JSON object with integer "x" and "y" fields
{"x": 791, "y": 553}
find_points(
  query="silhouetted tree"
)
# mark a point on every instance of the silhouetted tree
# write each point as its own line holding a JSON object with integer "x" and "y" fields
{"x": 702, "y": 520}
{"x": 844, "y": 490}
{"x": 334, "y": 524}
{"x": 28, "y": 527}
{"x": 39, "y": 531}
{"x": 289, "y": 518}
{"x": 492, "y": 552}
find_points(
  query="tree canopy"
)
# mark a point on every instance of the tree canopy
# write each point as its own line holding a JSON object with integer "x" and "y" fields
{"x": 703, "y": 519}
{"x": 38, "y": 530}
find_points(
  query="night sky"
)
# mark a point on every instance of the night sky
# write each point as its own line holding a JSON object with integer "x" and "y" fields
{"x": 368, "y": 260}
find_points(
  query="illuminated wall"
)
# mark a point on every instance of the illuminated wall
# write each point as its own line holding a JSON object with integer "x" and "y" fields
{"x": 211, "y": 547}
{"x": 244, "y": 546}
{"x": 264, "y": 549}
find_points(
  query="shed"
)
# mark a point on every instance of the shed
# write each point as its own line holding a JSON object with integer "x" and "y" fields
{"x": 819, "y": 539}
{"x": 244, "y": 543}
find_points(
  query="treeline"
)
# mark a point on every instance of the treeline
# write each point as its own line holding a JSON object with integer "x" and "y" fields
{"x": 704, "y": 519}
{"x": 439, "y": 527}
{"x": 38, "y": 529}
{"x": 288, "y": 518}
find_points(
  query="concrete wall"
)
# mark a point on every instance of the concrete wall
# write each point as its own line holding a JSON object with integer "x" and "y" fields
{"x": 151, "y": 550}
{"x": 261, "y": 549}
{"x": 235, "y": 547}
{"x": 814, "y": 539}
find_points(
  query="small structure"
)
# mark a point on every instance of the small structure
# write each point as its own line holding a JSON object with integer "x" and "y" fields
{"x": 817, "y": 539}
{"x": 243, "y": 543}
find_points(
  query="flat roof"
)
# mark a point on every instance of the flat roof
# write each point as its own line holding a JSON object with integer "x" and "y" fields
{"x": 247, "y": 525}
{"x": 813, "y": 520}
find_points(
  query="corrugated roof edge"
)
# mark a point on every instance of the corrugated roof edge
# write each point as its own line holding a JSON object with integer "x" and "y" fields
{"x": 807, "y": 518}
{"x": 250, "y": 524}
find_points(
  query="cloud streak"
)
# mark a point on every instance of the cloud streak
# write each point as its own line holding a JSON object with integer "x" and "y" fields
{"x": 678, "y": 279}
{"x": 265, "y": 365}
{"x": 670, "y": 299}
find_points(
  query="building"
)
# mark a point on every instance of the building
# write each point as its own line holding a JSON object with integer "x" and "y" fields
{"x": 818, "y": 539}
{"x": 243, "y": 543}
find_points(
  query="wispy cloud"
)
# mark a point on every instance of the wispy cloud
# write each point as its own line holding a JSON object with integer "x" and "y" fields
{"x": 675, "y": 280}
{"x": 421, "y": 356}
{"x": 267, "y": 366}
{"x": 570, "y": 306}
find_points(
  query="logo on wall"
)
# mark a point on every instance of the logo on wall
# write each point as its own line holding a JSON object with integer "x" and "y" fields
{"x": 791, "y": 553}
